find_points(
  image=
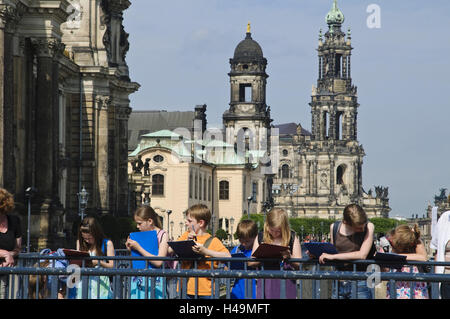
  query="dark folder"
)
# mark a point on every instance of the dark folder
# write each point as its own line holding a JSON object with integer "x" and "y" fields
{"x": 237, "y": 264}
{"x": 316, "y": 248}
{"x": 392, "y": 260}
{"x": 183, "y": 248}
{"x": 269, "y": 251}
{"x": 389, "y": 257}
{"x": 70, "y": 253}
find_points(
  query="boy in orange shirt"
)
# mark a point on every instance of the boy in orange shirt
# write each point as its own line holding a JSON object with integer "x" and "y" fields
{"x": 197, "y": 219}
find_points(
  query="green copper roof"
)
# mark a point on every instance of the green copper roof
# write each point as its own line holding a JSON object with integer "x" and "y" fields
{"x": 335, "y": 16}
{"x": 163, "y": 134}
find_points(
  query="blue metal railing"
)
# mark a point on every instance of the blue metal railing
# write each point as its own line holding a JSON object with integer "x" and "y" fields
{"x": 311, "y": 279}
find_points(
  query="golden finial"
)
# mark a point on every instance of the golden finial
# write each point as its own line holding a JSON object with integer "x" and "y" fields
{"x": 248, "y": 27}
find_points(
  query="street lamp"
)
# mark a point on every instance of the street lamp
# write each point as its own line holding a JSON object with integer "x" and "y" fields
{"x": 29, "y": 193}
{"x": 231, "y": 224}
{"x": 168, "y": 220}
{"x": 181, "y": 228}
{"x": 83, "y": 197}
{"x": 171, "y": 229}
{"x": 249, "y": 200}
{"x": 302, "y": 228}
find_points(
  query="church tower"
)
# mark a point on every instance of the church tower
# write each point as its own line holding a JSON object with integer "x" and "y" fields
{"x": 247, "y": 120}
{"x": 331, "y": 159}
{"x": 334, "y": 101}
{"x": 334, "y": 117}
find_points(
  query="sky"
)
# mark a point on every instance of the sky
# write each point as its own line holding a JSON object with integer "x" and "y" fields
{"x": 180, "y": 50}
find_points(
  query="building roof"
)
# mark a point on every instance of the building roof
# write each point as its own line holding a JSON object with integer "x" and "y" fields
{"x": 248, "y": 49}
{"x": 290, "y": 129}
{"x": 144, "y": 122}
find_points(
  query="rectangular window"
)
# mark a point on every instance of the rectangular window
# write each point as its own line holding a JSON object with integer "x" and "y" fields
{"x": 204, "y": 188}
{"x": 190, "y": 184}
{"x": 209, "y": 189}
{"x": 245, "y": 92}
{"x": 224, "y": 190}
{"x": 196, "y": 186}
{"x": 254, "y": 191}
{"x": 200, "y": 188}
{"x": 158, "y": 185}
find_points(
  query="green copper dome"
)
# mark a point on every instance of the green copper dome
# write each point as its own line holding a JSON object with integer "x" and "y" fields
{"x": 335, "y": 16}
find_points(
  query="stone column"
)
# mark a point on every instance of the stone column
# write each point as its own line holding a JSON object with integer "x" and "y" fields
{"x": 9, "y": 18}
{"x": 332, "y": 172}
{"x": 46, "y": 50}
{"x": 315, "y": 164}
{"x": 101, "y": 149}
{"x": 307, "y": 176}
{"x": 2, "y": 99}
{"x": 332, "y": 128}
{"x": 123, "y": 115}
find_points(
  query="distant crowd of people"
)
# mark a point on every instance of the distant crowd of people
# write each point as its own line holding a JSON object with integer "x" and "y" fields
{"x": 353, "y": 238}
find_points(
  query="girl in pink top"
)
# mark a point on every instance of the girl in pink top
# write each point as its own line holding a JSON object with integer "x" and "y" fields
{"x": 404, "y": 240}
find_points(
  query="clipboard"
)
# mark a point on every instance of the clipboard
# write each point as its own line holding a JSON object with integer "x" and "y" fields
{"x": 70, "y": 253}
{"x": 148, "y": 241}
{"x": 391, "y": 257}
{"x": 237, "y": 264}
{"x": 393, "y": 260}
{"x": 269, "y": 251}
{"x": 183, "y": 248}
{"x": 317, "y": 248}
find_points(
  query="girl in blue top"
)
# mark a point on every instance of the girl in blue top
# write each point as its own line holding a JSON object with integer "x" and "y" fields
{"x": 92, "y": 239}
{"x": 148, "y": 220}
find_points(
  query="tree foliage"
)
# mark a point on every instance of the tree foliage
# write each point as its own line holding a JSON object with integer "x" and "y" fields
{"x": 319, "y": 226}
{"x": 221, "y": 234}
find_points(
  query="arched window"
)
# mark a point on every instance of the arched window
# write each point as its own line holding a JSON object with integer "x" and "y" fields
{"x": 340, "y": 171}
{"x": 285, "y": 171}
{"x": 224, "y": 190}
{"x": 158, "y": 185}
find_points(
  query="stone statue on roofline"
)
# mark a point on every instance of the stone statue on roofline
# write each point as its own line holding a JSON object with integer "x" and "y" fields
{"x": 138, "y": 165}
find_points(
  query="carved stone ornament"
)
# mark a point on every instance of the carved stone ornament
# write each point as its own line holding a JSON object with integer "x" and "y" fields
{"x": 75, "y": 11}
{"x": 102, "y": 102}
{"x": 10, "y": 17}
{"x": 48, "y": 47}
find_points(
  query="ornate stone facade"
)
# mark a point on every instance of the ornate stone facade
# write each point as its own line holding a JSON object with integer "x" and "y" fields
{"x": 320, "y": 172}
{"x": 64, "y": 109}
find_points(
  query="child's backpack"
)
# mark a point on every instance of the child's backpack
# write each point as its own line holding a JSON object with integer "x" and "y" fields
{"x": 373, "y": 249}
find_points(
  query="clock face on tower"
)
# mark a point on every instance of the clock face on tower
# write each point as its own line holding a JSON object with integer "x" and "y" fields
{"x": 75, "y": 14}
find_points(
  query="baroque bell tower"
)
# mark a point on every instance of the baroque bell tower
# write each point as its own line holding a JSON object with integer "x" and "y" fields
{"x": 334, "y": 168}
{"x": 334, "y": 101}
{"x": 247, "y": 121}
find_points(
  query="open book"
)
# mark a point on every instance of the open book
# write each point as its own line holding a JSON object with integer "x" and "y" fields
{"x": 269, "y": 251}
